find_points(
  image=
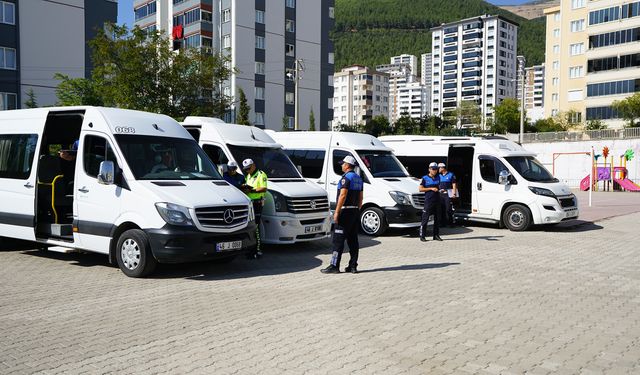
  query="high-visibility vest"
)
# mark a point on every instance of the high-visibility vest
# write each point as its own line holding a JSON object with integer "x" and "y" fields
{"x": 256, "y": 181}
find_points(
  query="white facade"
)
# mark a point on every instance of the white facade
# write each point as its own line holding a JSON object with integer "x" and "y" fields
{"x": 360, "y": 94}
{"x": 411, "y": 60}
{"x": 426, "y": 70}
{"x": 474, "y": 60}
{"x": 413, "y": 99}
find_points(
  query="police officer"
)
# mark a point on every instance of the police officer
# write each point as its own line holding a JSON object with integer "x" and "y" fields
{"x": 448, "y": 189}
{"x": 255, "y": 186}
{"x": 346, "y": 217}
{"x": 232, "y": 176}
{"x": 430, "y": 186}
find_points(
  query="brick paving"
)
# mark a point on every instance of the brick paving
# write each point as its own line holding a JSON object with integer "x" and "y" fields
{"x": 485, "y": 301}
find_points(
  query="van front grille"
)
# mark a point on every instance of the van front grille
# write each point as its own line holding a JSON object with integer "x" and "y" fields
{"x": 418, "y": 200}
{"x": 567, "y": 202}
{"x": 307, "y": 205}
{"x": 222, "y": 216}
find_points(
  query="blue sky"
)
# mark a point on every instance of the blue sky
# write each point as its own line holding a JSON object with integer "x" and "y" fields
{"x": 125, "y": 9}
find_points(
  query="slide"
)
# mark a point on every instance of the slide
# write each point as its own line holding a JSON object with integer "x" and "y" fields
{"x": 627, "y": 184}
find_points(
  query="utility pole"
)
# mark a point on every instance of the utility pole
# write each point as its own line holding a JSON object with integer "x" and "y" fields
{"x": 522, "y": 110}
{"x": 298, "y": 67}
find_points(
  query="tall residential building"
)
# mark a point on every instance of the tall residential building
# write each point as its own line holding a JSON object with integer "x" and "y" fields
{"x": 413, "y": 99}
{"x": 360, "y": 94}
{"x": 565, "y": 60}
{"x": 612, "y": 59}
{"x": 39, "y": 38}
{"x": 474, "y": 60}
{"x": 520, "y": 76}
{"x": 399, "y": 77}
{"x": 411, "y": 60}
{"x": 263, "y": 42}
{"x": 534, "y": 92}
{"x": 426, "y": 69}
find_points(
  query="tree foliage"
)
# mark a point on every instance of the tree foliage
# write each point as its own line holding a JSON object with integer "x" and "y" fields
{"x": 244, "y": 109}
{"x": 629, "y": 109}
{"x": 31, "y": 101}
{"x": 507, "y": 116}
{"x": 76, "y": 91}
{"x": 312, "y": 120}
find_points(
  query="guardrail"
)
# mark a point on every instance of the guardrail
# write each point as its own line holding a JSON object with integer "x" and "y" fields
{"x": 587, "y": 135}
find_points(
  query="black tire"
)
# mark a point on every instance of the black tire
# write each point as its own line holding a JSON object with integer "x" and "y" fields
{"x": 517, "y": 218}
{"x": 373, "y": 221}
{"x": 133, "y": 254}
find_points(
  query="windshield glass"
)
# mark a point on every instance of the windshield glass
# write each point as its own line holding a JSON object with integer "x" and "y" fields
{"x": 530, "y": 169}
{"x": 382, "y": 164}
{"x": 164, "y": 158}
{"x": 272, "y": 161}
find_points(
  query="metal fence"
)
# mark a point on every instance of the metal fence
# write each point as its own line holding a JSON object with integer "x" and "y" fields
{"x": 587, "y": 135}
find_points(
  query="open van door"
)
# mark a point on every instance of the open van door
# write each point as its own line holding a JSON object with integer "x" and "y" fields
{"x": 489, "y": 192}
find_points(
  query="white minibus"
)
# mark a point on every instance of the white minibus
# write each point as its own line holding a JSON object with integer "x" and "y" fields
{"x": 388, "y": 188}
{"x": 295, "y": 209}
{"x": 498, "y": 180}
{"x": 137, "y": 188}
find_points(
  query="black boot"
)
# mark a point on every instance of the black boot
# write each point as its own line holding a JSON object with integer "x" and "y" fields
{"x": 351, "y": 269}
{"x": 330, "y": 269}
{"x": 437, "y": 238}
{"x": 423, "y": 239}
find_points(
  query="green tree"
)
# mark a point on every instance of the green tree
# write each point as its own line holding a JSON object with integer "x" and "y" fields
{"x": 406, "y": 125}
{"x": 595, "y": 124}
{"x": 547, "y": 125}
{"x": 629, "y": 109}
{"x": 507, "y": 116}
{"x": 285, "y": 124}
{"x": 468, "y": 113}
{"x": 312, "y": 120}
{"x": 76, "y": 91}
{"x": 31, "y": 101}
{"x": 244, "y": 109}
{"x": 377, "y": 126}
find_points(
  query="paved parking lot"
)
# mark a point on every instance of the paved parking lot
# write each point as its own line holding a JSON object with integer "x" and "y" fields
{"x": 485, "y": 300}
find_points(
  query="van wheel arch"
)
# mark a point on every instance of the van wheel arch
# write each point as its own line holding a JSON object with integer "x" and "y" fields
{"x": 115, "y": 235}
{"x": 528, "y": 217}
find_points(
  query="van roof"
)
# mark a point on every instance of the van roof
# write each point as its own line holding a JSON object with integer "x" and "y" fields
{"x": 212, "y": 129}
{"x": 321, "y": 139}
{"x": 425, "y": 145}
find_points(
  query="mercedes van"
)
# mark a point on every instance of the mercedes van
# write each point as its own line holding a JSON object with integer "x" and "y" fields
{"x": 295, "y": 210}
{"x": 137, "y": 188}
{"x": 498, "y": 180}
{"x": 388, "y": 188}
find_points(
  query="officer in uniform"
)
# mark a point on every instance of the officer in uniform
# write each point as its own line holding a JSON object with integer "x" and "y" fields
{"x": 232, "y": 176}
{"x": 255, "y": 187}
{"x": 448, "y": 186}
{"x": 346, "y": 217}
{"x": 430, "y": 186}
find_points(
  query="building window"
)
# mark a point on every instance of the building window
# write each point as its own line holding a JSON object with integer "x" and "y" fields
{"x": 289, "y": 74}
{"x": 192, "y": 41}
{"x": 556, "y": 33}
{"x": 631, "y": 10}
{"x": 556, "y": 49}
{"x": 604, "y": 15}
{"x": 556, "y": 17}
{"x": 576, "y": 49}
{"x": 556, "y": 65}
{"x": 290, "y": 26}
{"x": 290, "y": 98}
{"x": 332, "y": 11}
{"x": 259, "y": 118}
{"x": 7, "y": 13}
{"x": 259, "y": 16}
{"x": 226, "y": 15}
{"x": 260, "y": 93}
{"x": 577, "y": 26}
{"x": 226, "y": 41}
{"x": 145, "y": 10}
{"x": 331, "y": 58}
{"x": 575, "y": 72}
{"x": 613, "y": 88}
{"x": 575, "y": 4}
{"x": 290, "y": 3}
{"x": 8, "y": 101}
{"x": 259, "y": 42}
{"x": 575, "y": 117}
{"x": 614, "y": 38}
{"x": 259, "y": 67}
{"x": 331, "y": 80}
{"x": 555, "y": 81}
{"x": 7, "y": 58}
{"x": 290, "y": 50}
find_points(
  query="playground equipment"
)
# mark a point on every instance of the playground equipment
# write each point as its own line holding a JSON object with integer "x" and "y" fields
{"x": 610, "y": 174}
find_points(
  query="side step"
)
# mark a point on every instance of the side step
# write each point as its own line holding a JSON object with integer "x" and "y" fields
{"x": 61, "y": 249}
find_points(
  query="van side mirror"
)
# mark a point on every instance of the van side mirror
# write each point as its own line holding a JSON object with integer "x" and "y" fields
{"x": 106, "y": 173}
{"x": 504, "y": 177}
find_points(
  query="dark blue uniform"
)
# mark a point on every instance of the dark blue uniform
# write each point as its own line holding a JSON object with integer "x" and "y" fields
{"x": 348, "y": 219}
{"x": 236, "y": 180}
{"x": 431, "y": 205}
{"x": 446, "y": 183}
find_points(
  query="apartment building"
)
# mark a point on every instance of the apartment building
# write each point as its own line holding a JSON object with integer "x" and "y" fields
{"x": 474, "y": 60}
{"x": 39, "y": 38}
{"x": 534, "y": 92}
{"x": 410, "y": 60}
{"x": 426, "y": 69}
{"x": 360, "y": 94}
{"x": 400, "y": 75}
{"x": 565, "y": 60}
{"x": 413, "y": 100}
{"x": 612, "y": 67}
{"x": 264, "y": 39}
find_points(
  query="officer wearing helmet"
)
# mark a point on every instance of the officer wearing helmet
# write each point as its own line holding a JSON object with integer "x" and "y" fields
{"x": 346, "y": 217}
{"x": 430, "y": 186}
{"x": 255, "y": 187}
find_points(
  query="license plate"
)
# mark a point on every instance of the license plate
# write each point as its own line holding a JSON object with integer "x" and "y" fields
{"x": 226, "y": 246}
{"x": 312, "y": 228}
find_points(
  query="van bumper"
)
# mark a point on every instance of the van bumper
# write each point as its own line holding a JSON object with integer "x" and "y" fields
{"x": 174, "y": 244}
{"x": 403, "y": 216}
{"x": 295, "y": 228}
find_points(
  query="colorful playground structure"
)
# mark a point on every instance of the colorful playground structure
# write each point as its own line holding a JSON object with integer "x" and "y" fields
{"x": 613, "y": 178}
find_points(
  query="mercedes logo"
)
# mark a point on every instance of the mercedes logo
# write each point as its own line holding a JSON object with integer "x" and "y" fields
{"x": 313, "y": 205}
{"x": 228, "y": 216}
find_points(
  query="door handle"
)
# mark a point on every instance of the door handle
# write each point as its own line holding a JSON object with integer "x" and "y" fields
{"x": 83, "y": 190}
{"x": 479, "y": 184}
{"x": 320, "y": 182}
{"x": 333, "y": 183}
{"x": 28, "y": 185}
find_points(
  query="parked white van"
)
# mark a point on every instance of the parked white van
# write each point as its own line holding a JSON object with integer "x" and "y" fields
{"x": 295, "y": 210}
{"x": 387, "y": 185}
{"x": 139, "y": 189}
{"x": 498, "y": 180}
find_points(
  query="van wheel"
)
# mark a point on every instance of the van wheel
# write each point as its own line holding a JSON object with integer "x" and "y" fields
{"x": 134, "y": 254}
{"x": 517, "y": 218}
{"x": 373, "y": 222}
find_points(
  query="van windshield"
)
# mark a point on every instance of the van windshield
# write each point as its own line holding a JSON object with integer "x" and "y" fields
{"x": 272, "y": 161}
{"x": 382, "y": 163}
{"x": 164, "y": 158}
{"x": 530, "y": 169}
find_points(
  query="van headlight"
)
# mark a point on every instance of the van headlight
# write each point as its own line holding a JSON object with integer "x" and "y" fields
{"x": 252, "y": 214}
{"x": 542, "y": 191}
{"x": 279, "y": 201}
{"x": 401, "y": 198}
{"x": 174, "y": 214}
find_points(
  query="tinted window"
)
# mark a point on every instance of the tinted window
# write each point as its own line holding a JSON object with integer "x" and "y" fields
{"x": 96, "y": 150}
{"x": 310, "y": 161}
{"x": 338, "y": 156}
{"x": 215, "y": 153}
{"x": 382, "y": 164}
{"x": 16, "y": 155}
{"x": 273, "y": 161}
{"x": 490, "y": 169}
{"x": 531, "y": 169}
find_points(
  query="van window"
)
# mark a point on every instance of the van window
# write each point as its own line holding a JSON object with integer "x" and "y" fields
{"x": 490, "y": 169}
{"x": 338, "y": 156}
{"x": 531, "y": 169}
{"x": 382, "y": 163}
{"x": 16, "y": 155}
{"x": 96, "y": 150}
{"x": 273, "y": 161}
{"x": 310, "y": 161}
{"x": 216, "y": 154}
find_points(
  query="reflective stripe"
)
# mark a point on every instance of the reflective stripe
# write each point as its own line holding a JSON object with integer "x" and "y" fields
{"x": 343, "y": 207}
